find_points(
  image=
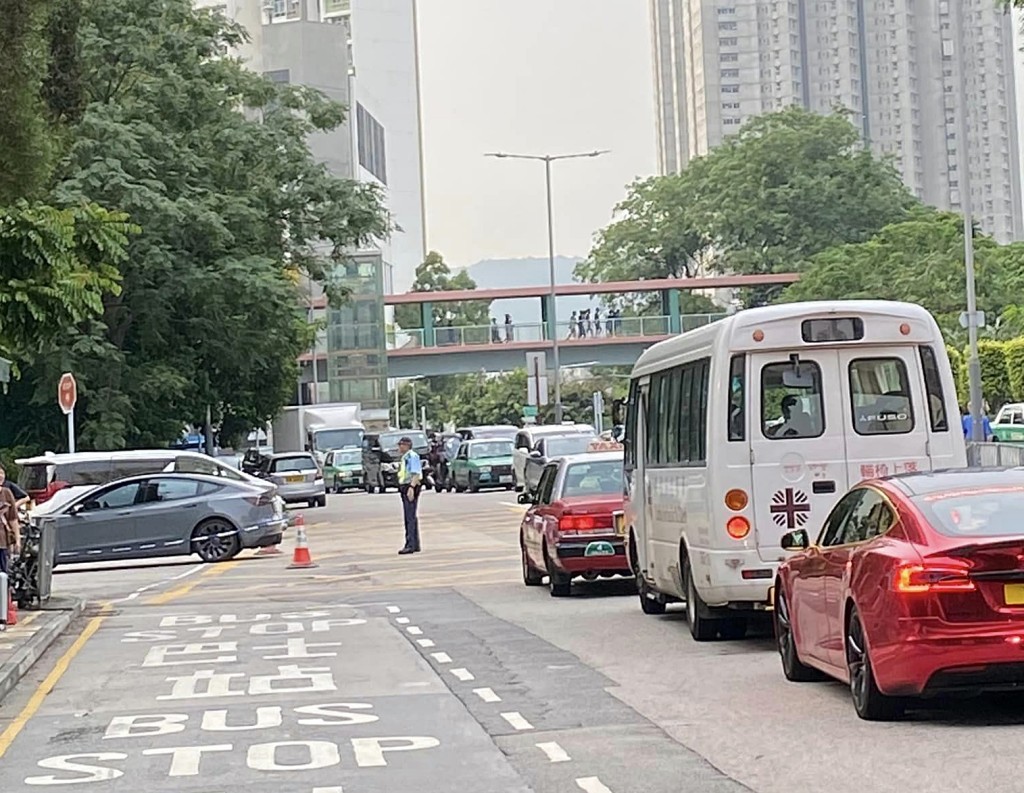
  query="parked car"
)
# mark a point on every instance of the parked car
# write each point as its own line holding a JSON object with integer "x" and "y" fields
{"x": 570, "y": 531}
{"x": 52, "y": 480}
{"x": 483, "y": 432}
{"x": 527, "y": 437}
{"x": 343, "y": 470}
{"x": 253, "y": 459}
{"x": 548, "y": 448}
{"x": 1008, "y": 426}
{"x": 912, "y": 589}
{"x": 482, "y": 464}
{"x": 298, "y": 477}
{"x": 381, "y": 457}
{"x": 166, "y": 515}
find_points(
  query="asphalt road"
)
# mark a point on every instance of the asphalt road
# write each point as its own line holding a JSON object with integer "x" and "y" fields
{"x": 442, "y": 672}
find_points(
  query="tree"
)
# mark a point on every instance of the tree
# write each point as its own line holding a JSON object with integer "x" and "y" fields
{"x": 212, "y": 162}
{"x": 788, "y": 185}
{"x": 920, "y": 261}
{"x": 434, "y": 275}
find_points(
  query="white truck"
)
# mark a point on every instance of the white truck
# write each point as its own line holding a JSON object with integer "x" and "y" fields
{"x": 318, "y": 428}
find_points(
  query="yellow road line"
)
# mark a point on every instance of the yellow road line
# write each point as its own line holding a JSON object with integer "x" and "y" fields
{"x": 184, "y": 589}
{"x": 43, "y": 691}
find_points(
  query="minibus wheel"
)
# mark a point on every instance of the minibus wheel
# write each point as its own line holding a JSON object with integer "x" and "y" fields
{"x": 650, "y": 602}
{"x": 701, "y": 628}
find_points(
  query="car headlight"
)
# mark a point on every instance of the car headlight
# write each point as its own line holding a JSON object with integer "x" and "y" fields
{"x": 485, "y": 469}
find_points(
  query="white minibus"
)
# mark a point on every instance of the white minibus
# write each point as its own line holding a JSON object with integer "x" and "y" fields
{"x": 745, "y": 429}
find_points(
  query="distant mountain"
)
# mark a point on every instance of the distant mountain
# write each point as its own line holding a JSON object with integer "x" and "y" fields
{"x": 509, "y": 273}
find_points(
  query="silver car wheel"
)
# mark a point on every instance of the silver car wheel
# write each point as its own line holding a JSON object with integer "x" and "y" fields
{"x": 215, "y": 541}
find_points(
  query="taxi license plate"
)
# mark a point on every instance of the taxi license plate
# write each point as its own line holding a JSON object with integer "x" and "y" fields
{"x": 620, "y": 523}
{"x": 599, "y": 549}
{"x": 1013, "y": 594}
{"x": 296, "y": 478}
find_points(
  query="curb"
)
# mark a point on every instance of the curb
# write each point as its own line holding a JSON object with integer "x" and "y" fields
{"x": 23, "y": 659}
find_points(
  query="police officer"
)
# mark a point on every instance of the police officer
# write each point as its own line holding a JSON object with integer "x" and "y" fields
{"x": 410, "y": 483}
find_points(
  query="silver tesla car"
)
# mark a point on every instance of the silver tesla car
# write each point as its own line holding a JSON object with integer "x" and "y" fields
{"x": 167, "y": 515}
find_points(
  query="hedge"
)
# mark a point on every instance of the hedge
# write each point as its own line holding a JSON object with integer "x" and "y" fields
{"x": 1002, "y": 371}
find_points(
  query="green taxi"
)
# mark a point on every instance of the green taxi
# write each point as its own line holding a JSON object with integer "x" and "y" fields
{"x": 1009, "y": 424}
{"x": 343, "y": 470}
{"x": 483, "y": 463}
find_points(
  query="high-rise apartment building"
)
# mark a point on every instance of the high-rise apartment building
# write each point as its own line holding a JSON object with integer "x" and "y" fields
{"x": 896, "y": 66}
{"x": 364, "y": 54}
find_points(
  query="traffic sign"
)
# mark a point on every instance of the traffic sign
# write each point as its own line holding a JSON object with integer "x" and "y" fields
{"x": 67, "y": 392}
{"x": 536, "y": 378}
{"x": 530, "y": 411}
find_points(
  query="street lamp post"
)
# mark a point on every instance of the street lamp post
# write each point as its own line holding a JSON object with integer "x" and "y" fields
{"x": 547, "y": 159}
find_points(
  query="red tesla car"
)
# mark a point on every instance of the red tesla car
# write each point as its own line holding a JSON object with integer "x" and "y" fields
{"x": 570, "y": 530}
{"x": 915, "y": 587}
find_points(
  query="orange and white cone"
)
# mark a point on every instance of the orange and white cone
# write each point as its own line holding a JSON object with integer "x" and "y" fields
{"x": 301, "y": 557}
{"x": 270, "y": 550}
{"x": 12, "y": 612}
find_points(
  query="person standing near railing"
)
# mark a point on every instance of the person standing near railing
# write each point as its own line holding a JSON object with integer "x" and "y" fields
{"x": 495, "y": 332}
{"x": 968, "y": 424}
{"x": 572, "y": 326}
{"x": 509, "y": 329}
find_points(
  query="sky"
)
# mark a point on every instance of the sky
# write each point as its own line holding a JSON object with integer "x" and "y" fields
{"x": 531, "y": 77}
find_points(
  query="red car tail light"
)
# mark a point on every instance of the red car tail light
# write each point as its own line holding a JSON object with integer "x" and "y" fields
{"x": 264, "y": 499}
{"x": 914, "y": 578}
{"x": 50, "y": 492}
{"x": 584, "y": 523}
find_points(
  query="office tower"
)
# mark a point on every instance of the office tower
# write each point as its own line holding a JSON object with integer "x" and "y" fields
{"x": 364, "y": 54}
{"x": 894, "y": 65}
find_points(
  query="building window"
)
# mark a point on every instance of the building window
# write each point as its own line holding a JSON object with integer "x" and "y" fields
{"x": 728, "y": 41}
{"x": 727, "y": 26}
{"x": 372, "y": 155}
{"x": 730, "y": 89}
{"x": 728, "y": 57}
{"x": 728, "y": 74}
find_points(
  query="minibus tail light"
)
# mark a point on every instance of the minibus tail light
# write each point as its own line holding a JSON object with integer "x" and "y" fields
{"x": 758, "y": 335}
{"x": 738, "y": 527}
{"x": 736, "y": 499}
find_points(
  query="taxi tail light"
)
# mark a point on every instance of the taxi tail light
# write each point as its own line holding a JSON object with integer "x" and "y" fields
{"x": 915, "y": 578}
{"x": 50, "y": 491}
{"x": 583, "y": 523}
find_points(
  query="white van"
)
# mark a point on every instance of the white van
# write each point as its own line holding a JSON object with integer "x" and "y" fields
{"x": 527, "y": 437}
{"x": 743, "y": 430}
{"x": 54, "y": 479}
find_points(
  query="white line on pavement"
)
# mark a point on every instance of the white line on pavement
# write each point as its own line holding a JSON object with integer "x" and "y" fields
{"x": 424, "y": 643}
{"x": 555, "y": 753}
{"x": 487, "y": 694}
{"x": 328, "y": 790}
{"x": 516, "y": 720}
{"x": 143, "y": 589}
{"x": 414, "y": 631}
{"x": 402, "y": 620}
{"x": 462, "y": 674}
{"x": 394, "y": 610}
{"x": 591, "y": 784}
{"x": 441, "y": 658}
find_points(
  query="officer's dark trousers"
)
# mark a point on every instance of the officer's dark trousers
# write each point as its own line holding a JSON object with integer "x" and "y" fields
{"x": 412, "y": 521}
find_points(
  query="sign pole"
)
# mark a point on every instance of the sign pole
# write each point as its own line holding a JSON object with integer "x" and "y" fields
{"x": 67, "y": 398}
{"x": 71, "y": 431}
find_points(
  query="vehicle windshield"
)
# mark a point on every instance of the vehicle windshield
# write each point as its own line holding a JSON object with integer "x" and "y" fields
{"x": 348, "y": 457}
{"x": 301, "y": 463}
{"x": 338, "y": 439}
{"x": 495, "y": 432}
{"x": 390, "y": 440}
{"x": 563, "y": 447}
{"x": 602, "y": 478}
{"x": 975, "y": 512}
{"x": 488, "y": 449}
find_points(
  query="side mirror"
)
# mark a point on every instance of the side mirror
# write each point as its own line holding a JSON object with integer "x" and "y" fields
{"x": 525, "y": 498}
{"x": 80, "y": 507}
{"x": 535, "y": 453}
{"x": 796, "y": 540}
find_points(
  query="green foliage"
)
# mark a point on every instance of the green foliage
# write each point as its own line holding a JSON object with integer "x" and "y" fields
{"x": 26, "y": 147}
{"x": 956, "y": 363}
{"x": 433, "y": 275}
{"x": 789, "y": 185}
{"x": 212, "y": 162}
{"x": 1015, "y": 368}
{"x": 995, "y": 375}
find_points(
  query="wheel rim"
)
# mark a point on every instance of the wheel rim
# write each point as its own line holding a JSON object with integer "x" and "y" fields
{"x": 784, "y": 628}
{"x": 691, "y": 596}
{"x": 210, "y": 544}
{"x": 857, "y": 661}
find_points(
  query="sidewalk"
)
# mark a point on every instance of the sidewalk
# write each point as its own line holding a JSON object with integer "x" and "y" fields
{"x": 24, "y": 644}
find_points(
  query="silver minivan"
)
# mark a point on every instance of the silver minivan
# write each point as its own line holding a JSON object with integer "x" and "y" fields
{"x": 298, "y": 477}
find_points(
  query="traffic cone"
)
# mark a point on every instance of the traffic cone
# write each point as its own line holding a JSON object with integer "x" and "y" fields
{"x": 12, "y": 612}
{"x": 301, "y": 557}
{"x": 270, "y": 550}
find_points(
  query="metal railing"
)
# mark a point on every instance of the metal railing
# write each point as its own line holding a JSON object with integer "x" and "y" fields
{"x": 995, "y": 455}
{"x": 605, "y": 328}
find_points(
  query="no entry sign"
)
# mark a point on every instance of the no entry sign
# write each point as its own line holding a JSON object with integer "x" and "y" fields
{"x": 67, "y": 392}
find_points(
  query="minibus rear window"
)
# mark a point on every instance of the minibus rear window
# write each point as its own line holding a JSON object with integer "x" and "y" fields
{"x": 824, "y": 331}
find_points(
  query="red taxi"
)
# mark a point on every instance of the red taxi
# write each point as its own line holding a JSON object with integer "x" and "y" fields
{"x": 914, "y": 588}
{"x": 574, "y": 527}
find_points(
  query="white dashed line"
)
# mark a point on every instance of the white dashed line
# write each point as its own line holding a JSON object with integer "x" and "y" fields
{"x": 424, "y": 643}
{"x": 328, "y": 790}
{"x": 555, "y": 753}
{"x": 394, "y": 610}
{"x": 414, "y": 631}
{"x": 402, "y": 620}
{"x": 516, "y": 720}
{"x": 462, "y": 674}
{"x": 591, "y": 784}
{"x": 487, "y": 694}
{"x": 441, "y": 658}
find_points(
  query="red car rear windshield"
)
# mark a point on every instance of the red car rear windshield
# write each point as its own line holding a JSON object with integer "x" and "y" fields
{"x": 593, "y": 479}
{"x": 975, "y": 512}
